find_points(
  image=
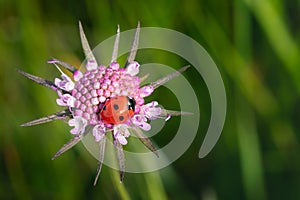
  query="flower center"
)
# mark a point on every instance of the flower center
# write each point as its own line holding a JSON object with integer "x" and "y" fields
{"x": 96, "y": 85}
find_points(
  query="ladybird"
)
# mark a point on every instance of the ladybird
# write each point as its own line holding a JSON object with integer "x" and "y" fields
{"x": 117, "y": 110}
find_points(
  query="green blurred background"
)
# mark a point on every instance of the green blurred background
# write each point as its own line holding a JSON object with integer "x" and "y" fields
{"x": 255, "y": 44}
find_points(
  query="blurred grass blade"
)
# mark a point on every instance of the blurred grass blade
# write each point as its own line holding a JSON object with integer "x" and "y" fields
{"x": 241, "y": 71}
{"x": 250, "y": 153}
{"x": 279, "y": 36}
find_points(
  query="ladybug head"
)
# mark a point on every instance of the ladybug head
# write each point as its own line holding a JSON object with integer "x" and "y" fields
{"x": 131, "y": 103}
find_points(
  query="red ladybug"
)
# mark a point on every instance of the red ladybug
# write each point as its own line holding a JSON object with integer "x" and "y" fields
{"x": 117, "y": 110}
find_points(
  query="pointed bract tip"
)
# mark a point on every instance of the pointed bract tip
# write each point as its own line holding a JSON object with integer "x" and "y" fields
{"x": 65, "y": 65}
{"x": 96, "y": 180}
{"x": 90, "y": 58}
{"x": 56, "y": 116}
{"x": 38, "y": 80}
{"x": 98, "y": 173}
{"x": 134, "y": 46}
{"x": 69, "y": 145}
{"x": 116, "y": 46}
{"x": 57, "y": 154}
{"x": 20, "y": 71}
{"x": 79, "y": 23}
{"x": 52, "y": 61}
{"x": 169, "y": 77}
{"x": 156, "y": 153}
{"x": 186, "y": 113}
{"x": 31, "y": 123}
{"x": 170, "y": 113}
{"x": 184, "y": 68}
{"x": 80, "y": 28}
{"x": 121, "y": 176}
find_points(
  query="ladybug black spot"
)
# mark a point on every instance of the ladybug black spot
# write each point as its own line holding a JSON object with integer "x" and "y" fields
{"x": 121, "y": 118}
{"x": 104, "y": 108}
{"x": 116, "y": 107}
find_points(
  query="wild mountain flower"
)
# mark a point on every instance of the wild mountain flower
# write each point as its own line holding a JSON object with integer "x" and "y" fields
{"x": 105, "y": 99}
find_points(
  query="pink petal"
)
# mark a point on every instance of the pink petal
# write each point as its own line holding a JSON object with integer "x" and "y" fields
{"x": 99, "y": 132}
{"x": 115, "y": 65}
{"x": 153, "y": 113}
{"x": 77, "y": 75}
{"x": 70, "y": 101}
{"x": 65, "y": 84}
{"x": 60, "y": 102}
{"x": 79, "y": 124}
{"x": 121, "y": 133}
{"x": 151, "y": 110}
{"x": 141, "y": 122}
{"x": 57, "y": 81}
{"x": 145, "y": 126}
{"x": 146, "y": 91}
{"x": 91, "y": 64}
{"x": 133, "y": 68}
{"x": 65, "y": 100}
{"x": 122, "y": 139}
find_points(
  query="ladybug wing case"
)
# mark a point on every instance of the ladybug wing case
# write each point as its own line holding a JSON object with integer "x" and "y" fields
{"x": 116, "y": 111}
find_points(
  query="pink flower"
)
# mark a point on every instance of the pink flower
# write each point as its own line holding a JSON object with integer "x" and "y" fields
{"x": 146, "y": 90}
{"x": 151, "y": 110}
{"x": 99, "y": 132}
{"x": 141, "y": 122}
{"x": 86, "y": 96}
{"x": 133, "y": 68}
{"x": 121, "y": 133}
{"x": 79, "y": 124}
{"x": 65, "y": 99}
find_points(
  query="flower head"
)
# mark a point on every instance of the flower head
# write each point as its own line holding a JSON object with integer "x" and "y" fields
{"x": 95, "y": 102}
